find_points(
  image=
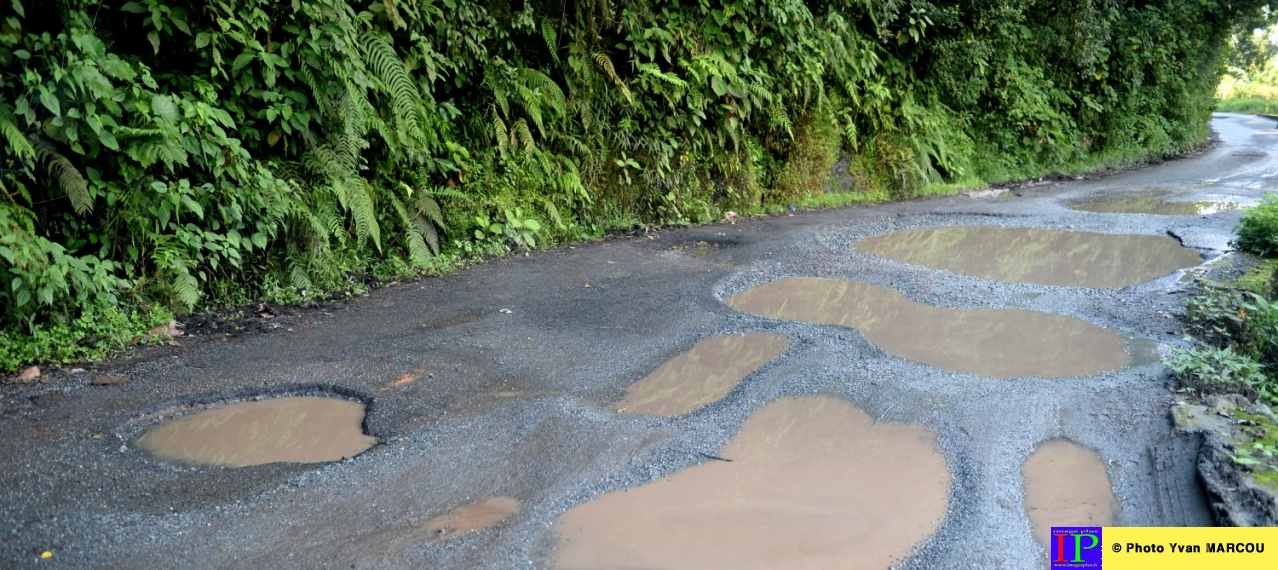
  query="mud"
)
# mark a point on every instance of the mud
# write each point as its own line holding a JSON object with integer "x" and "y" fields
{"x": 702, "y": 375}
{"x": 998, "y": 343}
{"x": 470, "y": 518}
{"x": 303, "y": 429}
{"x": 806, "y": 483}
{"x": 1066, "y": 485}
{"x": 1037, "y": 255}
{"x": 1158, "y": 205}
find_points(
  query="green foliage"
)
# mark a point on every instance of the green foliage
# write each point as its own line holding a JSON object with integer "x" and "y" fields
{"x": 181, "y": 154}
{"x": 1258, "y": 229}
{"x": 1210, "y": 370}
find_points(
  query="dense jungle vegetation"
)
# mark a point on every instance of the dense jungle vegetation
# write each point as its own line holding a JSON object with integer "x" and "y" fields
{"x": 164, "y": 156}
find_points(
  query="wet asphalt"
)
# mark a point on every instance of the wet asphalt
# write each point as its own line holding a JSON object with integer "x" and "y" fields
{"x": 519, "y": 403}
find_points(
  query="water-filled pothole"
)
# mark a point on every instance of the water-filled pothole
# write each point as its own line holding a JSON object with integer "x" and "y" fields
{"x": 703, "y": 374}
{"x": 303, "y": 429}
{"x": 1036, "y": 255}
{"x": 470, "y": 518}
{"x": 1155, "y": 205}
{"x": 808, "y": 483}
{"x": 1066, "y": 485}
{"x": 998, "y": 343}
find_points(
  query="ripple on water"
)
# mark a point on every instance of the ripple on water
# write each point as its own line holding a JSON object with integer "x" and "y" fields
{"x": 811, "y": 483}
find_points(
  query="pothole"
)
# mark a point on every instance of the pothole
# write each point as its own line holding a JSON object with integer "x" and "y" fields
{"x": 302, "y": 429}
{"x": 1155, "y": 205}
{"x": 471, "y": 518}
{"x": 1066, "y": 485}
{"x": 997, "y": 343}
{"x": 807, "y": 483}
{"x": 704, "y": 374}
{"x": 1036, "y": 255}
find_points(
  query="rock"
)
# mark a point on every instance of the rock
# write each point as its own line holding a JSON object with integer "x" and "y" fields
{"x": 1260, "y": 409}
{"x": 109, "y": 380}
{"x": 1236, "y": 500}
{"x": 29, "y": 375}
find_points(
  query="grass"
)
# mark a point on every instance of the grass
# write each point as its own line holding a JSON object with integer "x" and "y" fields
{"x": 1251, "y": 105}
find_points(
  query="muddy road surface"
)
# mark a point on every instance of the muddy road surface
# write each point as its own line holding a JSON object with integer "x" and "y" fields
{"x": 671, "y": 399}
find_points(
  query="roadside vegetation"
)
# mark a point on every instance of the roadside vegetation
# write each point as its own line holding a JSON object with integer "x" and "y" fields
{"x": 166, "y": 156}
{"x": 1234, "y": 344}
{"x": 1250, "y": 82}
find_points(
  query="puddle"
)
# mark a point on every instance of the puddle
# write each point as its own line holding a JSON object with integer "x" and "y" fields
{"x": 702, "y": 375}
{"x": 471, "y": 518}
{"x": 296, "y": 430}
{"x": 1036, "y": 255}
{"x": 996, "y": 343}
{"x": 1066, "y": 485}
{"x": 1155, "y": 205}
{"x": 811, "y": 483}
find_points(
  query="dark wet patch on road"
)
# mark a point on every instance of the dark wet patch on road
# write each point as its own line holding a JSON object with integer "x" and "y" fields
{"x": 305, "y": 429}
{"x": 997, "y": 343}
{"x": 471, "y": 518}
{"x": 1036, "y": 255}
{"x": 703, "y": 374}
{"x": 1155, "y": 205}
{"x": 1066, "y": 485}
{"x": 810, "y": 483}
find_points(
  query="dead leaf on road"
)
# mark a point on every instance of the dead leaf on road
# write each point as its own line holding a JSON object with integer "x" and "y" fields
{"x": 405, "y": 379}
{"x": 165, "y": 331}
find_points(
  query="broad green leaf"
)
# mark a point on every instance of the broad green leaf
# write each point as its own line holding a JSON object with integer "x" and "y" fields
{"x": 154, "y": 38}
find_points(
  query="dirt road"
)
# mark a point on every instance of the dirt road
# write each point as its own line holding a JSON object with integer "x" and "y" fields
{"x": 501, "y": 381}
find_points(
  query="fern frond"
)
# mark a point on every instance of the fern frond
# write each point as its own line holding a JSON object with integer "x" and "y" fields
{"x": 499, "y": 132}
{"x": 520, "y": 128}
{"x": 430, "y": 207}
{"x": 428, "y": 233}
{"x": 552, "y": 40}
{"x": 611, "y": 72}
{"x": 69, "y": 178}
{"x": 390, "y": 69}
{"x": 547, "y": 86}
{"x": 297, "y": 274}
{"x": 359, "y": 203}
{"x": 17, "y": 142}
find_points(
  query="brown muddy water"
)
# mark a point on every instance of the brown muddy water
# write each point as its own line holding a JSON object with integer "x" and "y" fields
{"x": 1155, "y": 205}
{"x": 703, "y": 374}
{"x": 1066, "y": 485}
{"x": 997, "y": 343}
{"x": 297, "y": 430}
{"x": 470, "y": 518}
{"x": 810, "y": 483}
{"x": 1035, "y": 255}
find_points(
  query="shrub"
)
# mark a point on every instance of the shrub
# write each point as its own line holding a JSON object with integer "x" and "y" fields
{"x": 1258, "y": 229}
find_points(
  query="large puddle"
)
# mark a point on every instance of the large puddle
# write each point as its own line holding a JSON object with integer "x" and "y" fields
{"x": 1155, "y": 205}
{"x": 1035, "y": 255}
{"x": 1066, "y": 485}
{"x": 296, "y": 430}
{"x": 997, "y": 343}
{"x": 807, "y": 483}
{"x": 702, "y": 375}
{"x": 470, "y": 518}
